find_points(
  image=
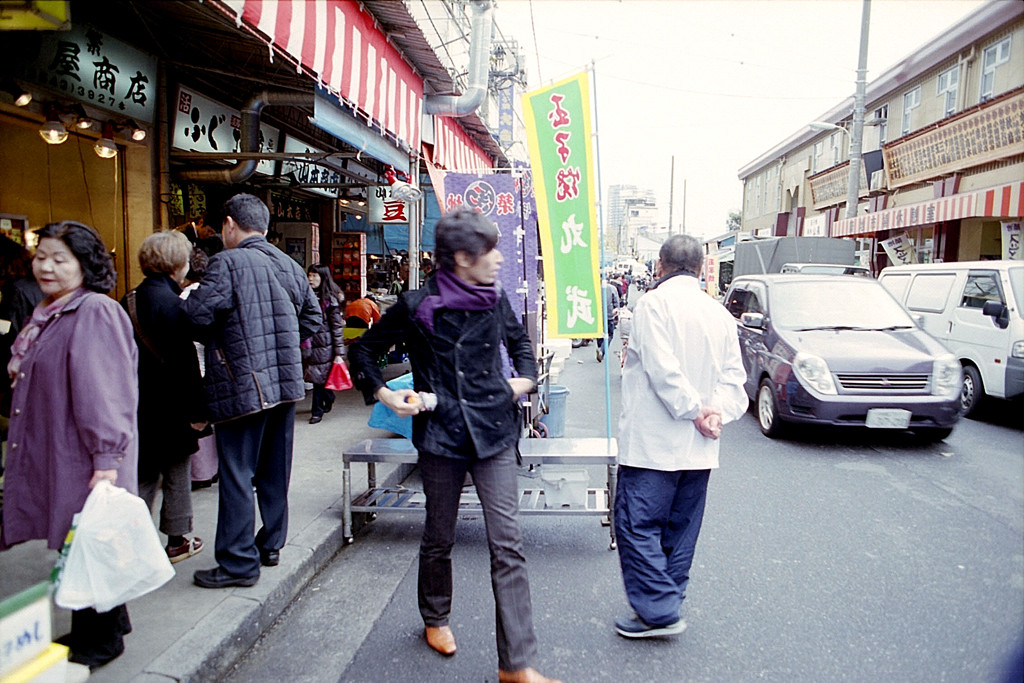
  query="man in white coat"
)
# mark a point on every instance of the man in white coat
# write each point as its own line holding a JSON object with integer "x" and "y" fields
{"x": 682, "y": 380}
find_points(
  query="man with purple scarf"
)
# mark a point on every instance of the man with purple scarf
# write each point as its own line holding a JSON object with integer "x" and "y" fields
{"x": 454, "y": 328}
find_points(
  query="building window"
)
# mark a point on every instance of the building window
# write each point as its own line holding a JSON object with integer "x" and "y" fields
{"x": 948, "y": 85}
{"x": 911, "y": 101}
{"x": 882, "y": 121}
{"x": 818, "y": 146}
{"x": 833, "y": 143}
{"x": 991, "y": 58}
{"x": 764, "y": 197}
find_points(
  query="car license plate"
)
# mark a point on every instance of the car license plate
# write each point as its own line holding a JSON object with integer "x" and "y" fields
{"x": 888, "y": 418}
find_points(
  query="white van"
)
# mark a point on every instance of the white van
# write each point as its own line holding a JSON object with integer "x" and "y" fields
{"x": 825, "y": 269}
{"x": 975, "y": 308}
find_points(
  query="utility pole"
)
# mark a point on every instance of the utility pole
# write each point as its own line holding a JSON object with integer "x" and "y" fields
{"x": 857, "y": 134}
{"x": 683, "y": 225}
{"x": 671, "y": 192}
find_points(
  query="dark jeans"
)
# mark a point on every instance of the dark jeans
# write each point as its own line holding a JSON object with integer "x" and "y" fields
{"x": 658, "y": 516}
{"x": 323, "y": 400}
{"x": 611, "y": 333}
{"x": 495, "y": 481}
{"x": 254, "y": 450}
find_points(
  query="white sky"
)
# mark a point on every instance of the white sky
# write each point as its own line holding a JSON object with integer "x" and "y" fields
{"x": 716, "y": 83}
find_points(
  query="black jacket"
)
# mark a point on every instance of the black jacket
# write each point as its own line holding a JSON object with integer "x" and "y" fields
{"x": 170, "y": 386}
{"x": 252, "y": 309}
{"x": 461, "y": 362}
{"x": 326, "y": 344}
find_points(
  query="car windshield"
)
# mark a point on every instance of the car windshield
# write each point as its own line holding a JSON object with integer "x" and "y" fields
{"x": 840, "y": 303}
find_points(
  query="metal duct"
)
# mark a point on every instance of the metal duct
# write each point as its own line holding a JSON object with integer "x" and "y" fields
{"x": 250, "y": 137}
{"x": 479, "y": 68}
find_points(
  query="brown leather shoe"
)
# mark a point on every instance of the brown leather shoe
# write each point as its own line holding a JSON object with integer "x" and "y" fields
{"x": 527, "y": 675}
{"x": 441, "y": 639}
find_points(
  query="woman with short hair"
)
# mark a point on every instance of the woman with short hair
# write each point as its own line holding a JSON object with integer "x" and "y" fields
{"x": 73, "y": 411}
{"x": 171, "y": 403}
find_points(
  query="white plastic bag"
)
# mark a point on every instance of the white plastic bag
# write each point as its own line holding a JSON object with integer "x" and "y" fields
{"x": 115, "y": 555}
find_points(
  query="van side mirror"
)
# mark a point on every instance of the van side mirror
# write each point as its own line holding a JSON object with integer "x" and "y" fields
{"x": 754, "y": 320}
{"x": 999, "y": 313}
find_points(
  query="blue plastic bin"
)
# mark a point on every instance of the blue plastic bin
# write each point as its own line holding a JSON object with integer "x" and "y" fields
{"x": 555, "y": 419}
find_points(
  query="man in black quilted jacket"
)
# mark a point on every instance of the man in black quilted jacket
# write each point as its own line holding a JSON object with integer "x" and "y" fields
{"x": 252, "y": 309}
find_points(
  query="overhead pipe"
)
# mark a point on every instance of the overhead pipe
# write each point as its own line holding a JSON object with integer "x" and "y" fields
{"x": 479, "y": 67}
{"x": 250, "y": 137}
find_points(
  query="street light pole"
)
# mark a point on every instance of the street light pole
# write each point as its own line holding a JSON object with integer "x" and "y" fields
{"x": 857, "y": 134}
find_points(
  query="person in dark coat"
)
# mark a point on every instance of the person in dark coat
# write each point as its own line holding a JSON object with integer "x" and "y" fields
{"x": 454, "y": 327}
{"x": 327, "y": 345}
{"x": 19, "y": 294}
{"x": 170, "y": 388}
{"x": 252, "y": 310}
{"x": 73, "y": 411}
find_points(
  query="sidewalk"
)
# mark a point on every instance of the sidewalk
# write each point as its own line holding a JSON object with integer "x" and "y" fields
{"x": 185, "y": 633}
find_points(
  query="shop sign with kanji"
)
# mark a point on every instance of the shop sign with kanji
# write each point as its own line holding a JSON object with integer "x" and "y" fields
{"x": 95, "y": 69}
{"x": 309, "y": 172}
{"x": 384, "y": 208}
{"x": 559, "y": 133}
{"x": 205, "y": 125}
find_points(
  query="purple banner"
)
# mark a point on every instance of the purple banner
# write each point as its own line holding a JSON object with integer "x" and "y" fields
{"x": 509, "y": 202}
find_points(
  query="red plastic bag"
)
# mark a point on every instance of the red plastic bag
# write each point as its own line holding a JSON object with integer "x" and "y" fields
{"x": 339, "y": 379}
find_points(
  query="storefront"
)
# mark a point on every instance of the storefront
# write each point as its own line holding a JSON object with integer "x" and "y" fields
{"x": 79, "y": 150}
{"x": 963, "y": 227}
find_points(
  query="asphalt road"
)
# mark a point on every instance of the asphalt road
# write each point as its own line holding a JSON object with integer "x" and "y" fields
{"x": 831, "y": 556}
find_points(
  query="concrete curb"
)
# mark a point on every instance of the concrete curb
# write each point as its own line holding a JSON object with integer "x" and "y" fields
{"x": 210, "y": 648}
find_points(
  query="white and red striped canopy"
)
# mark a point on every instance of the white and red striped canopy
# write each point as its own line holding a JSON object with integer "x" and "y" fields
{"x": 454, "y": 150}
{"x": 1004, "y": 201}
{"x": 338, "y": 42}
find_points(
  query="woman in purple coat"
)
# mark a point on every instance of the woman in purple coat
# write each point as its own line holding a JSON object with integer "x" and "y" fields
{"x": 73, "y": 411}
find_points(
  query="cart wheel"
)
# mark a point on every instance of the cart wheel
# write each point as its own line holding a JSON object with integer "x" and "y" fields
{"x": 373, "y": 516}
{"x": 613, "y": 545}
{"x": 349, "y": 540}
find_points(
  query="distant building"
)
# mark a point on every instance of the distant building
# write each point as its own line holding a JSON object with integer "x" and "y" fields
{"x": 630, "y": 210}
{"x": 943, "y": 152}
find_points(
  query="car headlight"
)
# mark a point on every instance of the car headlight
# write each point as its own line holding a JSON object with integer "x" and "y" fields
{"x": 946, "y": 377}
{"x": 1017, "y": 350}
{"x": 814, "y": 371}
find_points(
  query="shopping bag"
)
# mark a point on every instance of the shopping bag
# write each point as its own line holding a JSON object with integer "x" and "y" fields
{"x": 204, "y": 461}
{"x": 115, "y": 554}
{"x": 339, "y": 379}
{"x": 383, "y": 417}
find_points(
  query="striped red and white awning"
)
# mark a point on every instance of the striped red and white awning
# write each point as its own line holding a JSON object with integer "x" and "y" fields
{"x": 339, "y": 44}
{"x": 1004, "y": 201}
{"x": 454, "y": 150}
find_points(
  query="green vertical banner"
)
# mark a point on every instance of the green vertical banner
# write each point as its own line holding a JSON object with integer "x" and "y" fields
{"x": 562, "y": 160}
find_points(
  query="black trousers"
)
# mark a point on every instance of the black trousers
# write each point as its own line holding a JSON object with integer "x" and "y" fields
{"x": 323, "y": 399}
{"x": 495, "y": 481}
{"x": 97, "y": 637}
{"x": 254, "y": 450}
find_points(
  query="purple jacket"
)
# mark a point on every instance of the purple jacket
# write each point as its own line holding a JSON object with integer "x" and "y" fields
{"x": 73, "y": 411}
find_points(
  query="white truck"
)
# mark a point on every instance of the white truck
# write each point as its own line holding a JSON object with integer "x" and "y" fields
{"x": 975, "y": 308}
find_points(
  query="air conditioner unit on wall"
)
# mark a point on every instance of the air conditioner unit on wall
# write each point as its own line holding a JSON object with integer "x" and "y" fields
{"x": 878, "y": 181}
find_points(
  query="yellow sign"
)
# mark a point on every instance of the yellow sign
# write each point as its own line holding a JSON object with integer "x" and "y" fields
{"x": 47, "y": 15}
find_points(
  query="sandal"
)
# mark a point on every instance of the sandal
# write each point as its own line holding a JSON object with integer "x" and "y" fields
{"x": 191, "y": 546}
